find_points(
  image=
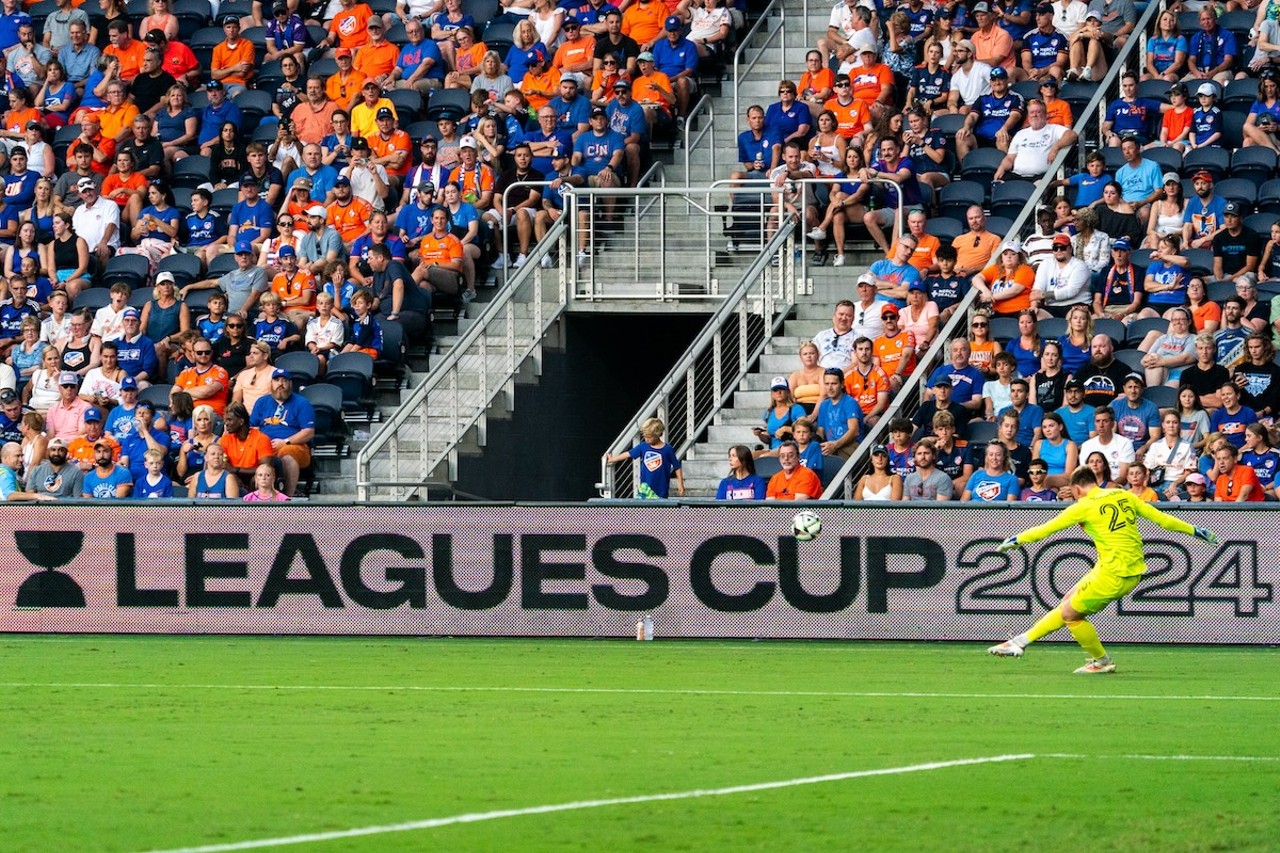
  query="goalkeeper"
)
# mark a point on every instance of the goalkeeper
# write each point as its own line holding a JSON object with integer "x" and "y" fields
{"x": 1110, "y": 517}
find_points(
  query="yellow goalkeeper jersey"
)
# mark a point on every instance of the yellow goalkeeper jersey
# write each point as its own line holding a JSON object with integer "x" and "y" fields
{"x": 1110, "y": 517}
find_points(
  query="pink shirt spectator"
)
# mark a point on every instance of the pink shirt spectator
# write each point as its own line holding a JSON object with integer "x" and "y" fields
{"x": 66, "y": 421}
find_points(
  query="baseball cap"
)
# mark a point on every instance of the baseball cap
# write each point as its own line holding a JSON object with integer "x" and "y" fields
{"x": 248, "y": 179}
{"x": 279, "y": 8}
{"x": 944, "y": 380}
{"x": 620, "y": 84}
{"x": 130, "y": 314}
{"x": 778, "y": 382}
{"x": 1232, "y": 208}
{"x": 1122, "y": 245}
{"x": 8, "y": 395}
{"x": 572, "y": 24}
{"x": 57, "y": 442}
{"x": 880, "y": 449}
{"x": 1171, "y": 178}
{"x": 674, "y": 23}
{"x": 244, "y": 247}
{"x": 102, "y": 442}
{"x": 93, "y": 414}
{"x": 230, "y": 19}
{"x": 868, "y": 47}
{"x": 165, "y": 275}
{"x": 1135, "y": 377}
{"x": 965, "y": 44}
{"x": 317, "y": 210}
{"x": 1093, "y": 13}
{"x": 1196, "y": 478}
{"x": 213, "y": 84}
{"x": 361, "y": 142}
{"x": 999, "y": 73}
{"x": 1178, "y": 89}
{"x": 342, "y": 52}
{"x": 85, "y": 184}
{"x": 467, "y": 142}
{"x": 426, "y": 188}
{"x": 68, "y": 377}
{"x": 867, "y": 278}
{"x": 1207, "y": 89}
{"x": 1011, "y": 246}
{"x": 1044, "y": 9}
{"x": 287, "y": 251}
{"x": 917, "y": 285}
{"x": 374, "y": 23}
{"x": 343, "y": 181}
{"x": 371, "y": 84}
{"x": 1049, "y": 83}
{"x": 1072, "y": 384}
{"x": 888, "y": 310}
{"x": 128, "y": 384}
{"x": 1061, "y": 240}
{"x": 1202, "y": 175}
{"x": 645, "y": 56}
{"x": 280, "y": 373}
{"x": 34, "y": 125}
{"x": 559, "y": 154}
{"x": 385, "y": 112}
{"x": 598, "y": 112}
{"x": 155, "y": 36}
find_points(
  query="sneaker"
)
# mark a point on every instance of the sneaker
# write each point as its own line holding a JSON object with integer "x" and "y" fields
{"x": 1086, "y": 74}
{"x": 1007, "y": 649}
{"x": 817, "y": 234}
{"x": 520, "y": 261}
{"x": 583, "y": 257}
{"x": 729, "y": 247}
{"x": 1072, "y": 75}
{"x": 1096, "y": 666}
{"x": 500, "y": 262}
{"x": 838, "y": 262}
{"x": 547, "y": 262}
{"x": 468, "y": 296}
{"x": 680, "y": 123}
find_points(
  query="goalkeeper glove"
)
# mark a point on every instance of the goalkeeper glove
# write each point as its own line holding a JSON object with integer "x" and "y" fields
{"x": 1010, "y": 544}
{"x": 1207, "y": 535}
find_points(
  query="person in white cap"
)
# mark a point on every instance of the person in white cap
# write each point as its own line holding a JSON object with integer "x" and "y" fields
{"x": 320, "y": 246}
{"x": 1034, "y": 147}
{"x": 97, "y": 220}
{"x": 970, "y": 80}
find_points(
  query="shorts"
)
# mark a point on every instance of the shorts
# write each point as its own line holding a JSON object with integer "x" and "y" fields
{"x": 1096, "y": 590}
{"x": 300, "y": 453}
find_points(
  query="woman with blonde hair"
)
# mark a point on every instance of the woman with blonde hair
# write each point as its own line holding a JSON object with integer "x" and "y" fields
{"x": 782, "y": 413}
{"x": 806, "y": 381}
{"x": 1077, "y": 341}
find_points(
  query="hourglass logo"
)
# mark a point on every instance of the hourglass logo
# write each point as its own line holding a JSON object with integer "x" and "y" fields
{"x": 49, "y": 549}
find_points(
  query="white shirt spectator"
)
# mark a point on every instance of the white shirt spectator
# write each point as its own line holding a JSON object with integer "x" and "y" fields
{"x": 91, "y": 221}
{"x": 867, "y": 320}
{"x": 1031, "y": 149}
{"x": 835, "y": 349}
{"x": 1063, "y": 284}
{"x": 108, "y": 323}
{"x": 325, "y": 333}
{"x": 972, "y": 84}
{"x": 1119, "y": 453}
{"x": 1067, "y": 17}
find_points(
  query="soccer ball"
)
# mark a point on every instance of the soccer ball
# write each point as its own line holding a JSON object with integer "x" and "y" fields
{"x": 806, "y": 525}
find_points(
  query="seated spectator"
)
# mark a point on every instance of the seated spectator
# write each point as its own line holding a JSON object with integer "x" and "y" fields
{"x": 890, "y": 166}
{"x": 997, "y": 391}
{"x": 1006, "y": 285}
{"x": 788, "y": 120}
{"x": 1115, "y": 218}
{"x": 927, "y": 482}
{"x": 1235, "y": 483}
{"x": 1177, "y": 122}
{"x": 1212, "y": 50}
{"x": 288, "y": 420}
{"x": 1166, "y": 50}
{"x": 880, "y": 483}
{"x": 1035, "y": 147}
{"x": 995, "y": 481}
{"x": 867, "y": 383}
{"x": 1232, "y": 419}
{"x": 1044, "y": 49}
{"x": 1232, "y": 334}
{"x": 1170, "y": 459}
{"x": 817, "y": 83}
{"x": 1236, "y": 247}
{"x": 742, "y": 484}
{"x": 970, "y": 79}
{"x": 975, "y": 249}
{"x": 1206, "y": 119}
{"x": 1258, "y": 376}
{"x": 1094, "y": 45}
{"x": 793, "y": 482}
{"x": 994, "y": 119}
{"x": 966, "y": 380}
{"x": 1061, "y": 283}
{"x": 806, "y": 381}
{"x": 1054, "y": 451}
{"x": 838, "y": 417}
{"x": 1259, "y": 455}
{"x": 782, "y": 413}
{"x": 930, "y": 84}
{"x": 845, "y": 205}
{"x": 946, "y": 288}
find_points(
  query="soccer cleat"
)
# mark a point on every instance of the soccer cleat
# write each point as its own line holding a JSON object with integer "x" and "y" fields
{"x": 1007, "y": 649}
{"x": 817, "y": 234}
{"x": 1096, "y": 666}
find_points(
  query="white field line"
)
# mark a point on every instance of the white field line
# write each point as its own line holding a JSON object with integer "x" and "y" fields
{"x": 838, "y": 694}
{"x": 476, "y": 817}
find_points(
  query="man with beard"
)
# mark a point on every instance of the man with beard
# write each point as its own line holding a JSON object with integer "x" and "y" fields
{"x": 1103, "y": 377}
{"x": 107, "y": 480}
{"x": 54, "y": 477}
{"x": 289, "y": 422}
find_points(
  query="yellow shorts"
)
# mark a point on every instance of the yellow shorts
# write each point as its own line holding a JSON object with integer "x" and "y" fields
{"x": 1098, "y": 589}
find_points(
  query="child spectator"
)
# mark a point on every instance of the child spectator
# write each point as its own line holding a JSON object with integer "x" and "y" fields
{"x": 659, "y": 463}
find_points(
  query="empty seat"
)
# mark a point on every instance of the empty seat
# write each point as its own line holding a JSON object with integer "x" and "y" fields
{"x": 1009, "y": 197}
{"x": 1255, "y": 163}
{"x": 185, "y": 268}
{"x": 944, "y": 228}
{"x": 1215, "y": 161}
{"x": 133, "y": 270}
{"x": 1239, "y": 95}
{"x": 958, "y": 196}
{"x": 1238, "y": 189}
{"x": 353, "y": 373}
{"x": 303, "y": 367}
{"x": 980, "y": 165}
{"x": 444, "y": 103}
{"x": 1162, "y": 396}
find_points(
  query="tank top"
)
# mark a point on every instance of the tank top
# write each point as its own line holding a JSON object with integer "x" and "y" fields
{"x": 1171, "y": 224}
{"x": 76, "y": 358}
{"x": 65, "y": 254}
{"x": 826, "y": 167}
{"x": 215, "y": 490}
{"x": 1055, "y": 455}
{"x": 162, "y": 322}
{"x": 883, "y": 494}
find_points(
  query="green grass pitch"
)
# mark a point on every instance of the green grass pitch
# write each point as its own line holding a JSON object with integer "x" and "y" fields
{"x": 150, "y": 743}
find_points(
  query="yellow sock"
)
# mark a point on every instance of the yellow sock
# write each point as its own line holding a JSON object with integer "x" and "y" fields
{"x": 1048, "y": 623}
{"x": 1087, "y": 636}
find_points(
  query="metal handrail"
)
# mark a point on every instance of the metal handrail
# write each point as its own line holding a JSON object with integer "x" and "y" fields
{"x": 505, "y": 227}
{"x": 756, "y": 295}
{"x": 738, "y": 69}
{"x": 525, "y": 291}
{"x": 693, "y": 138}
{"x": 907, "y": 399}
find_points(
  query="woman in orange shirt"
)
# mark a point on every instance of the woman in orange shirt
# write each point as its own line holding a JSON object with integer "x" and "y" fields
{"x": 982, "y": 347}
{"x": 1005, "y": 286}
{"x": 817, "y": 83}
{"x": 161, "y": 18}
{"x": 126, "y": 187}
{"x": 467, "y": 56}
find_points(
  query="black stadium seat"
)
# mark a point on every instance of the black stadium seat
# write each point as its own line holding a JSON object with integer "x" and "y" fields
{"x": 980, "y": 165}
{"x": 1238, "y": 189}
{"x": 1255, "y": 163}
{"x": 1215, "y": 161}
{"x": 1239, "y": 94}
{"x": 957, "y": 197}
{"x": 1269, "y": 197}
{"x": 1169, "y": 159}
{"x": 1009, "y": 197}
{"x": 944, "y": 228}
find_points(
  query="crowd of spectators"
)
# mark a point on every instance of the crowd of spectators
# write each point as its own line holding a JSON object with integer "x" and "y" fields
{"x": 257, "y": 159}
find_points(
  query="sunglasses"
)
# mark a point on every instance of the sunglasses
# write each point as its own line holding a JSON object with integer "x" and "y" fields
{"x": 979, "y": 325}
{"x": 235, "y": 325}
{"x": 842, "y": 85}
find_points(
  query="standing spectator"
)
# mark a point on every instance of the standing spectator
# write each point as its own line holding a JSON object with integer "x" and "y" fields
{"x": 658, "y": 462}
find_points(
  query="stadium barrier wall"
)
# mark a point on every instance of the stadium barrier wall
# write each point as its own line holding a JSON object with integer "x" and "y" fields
{"x": 876, "y": 571}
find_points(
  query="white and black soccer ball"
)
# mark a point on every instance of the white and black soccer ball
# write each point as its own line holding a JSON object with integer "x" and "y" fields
{"x": 806, "y": 525}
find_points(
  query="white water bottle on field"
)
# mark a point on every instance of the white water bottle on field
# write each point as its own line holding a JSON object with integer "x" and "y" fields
{"x": 647, "y": 622}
